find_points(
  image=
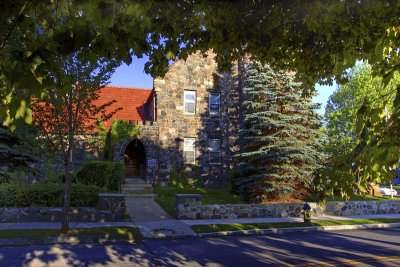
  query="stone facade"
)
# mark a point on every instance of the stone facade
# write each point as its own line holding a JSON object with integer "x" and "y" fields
{"x": 164, "y": 140}
{"x": 193, "y": 210}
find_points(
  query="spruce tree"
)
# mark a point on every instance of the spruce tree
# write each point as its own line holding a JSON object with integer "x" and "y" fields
{"x": 280, "y": 141}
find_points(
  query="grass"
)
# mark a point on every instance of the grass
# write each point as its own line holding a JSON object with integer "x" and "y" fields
{"x": 124, "y": 233}
{"x": 361, "y": 198}
{"x": 396, "y": 187}
{"x": 166, "y": 196}
{"x": 258, "y": 226}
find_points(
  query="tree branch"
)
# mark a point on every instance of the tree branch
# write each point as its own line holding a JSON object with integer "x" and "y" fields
{"x": 3, "y": 43}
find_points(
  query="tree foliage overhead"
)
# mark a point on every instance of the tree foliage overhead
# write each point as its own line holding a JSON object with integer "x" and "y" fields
{"x": 359, "y": 115}
{"x": 280, "y": 140}
{"x": 317, "y": 39}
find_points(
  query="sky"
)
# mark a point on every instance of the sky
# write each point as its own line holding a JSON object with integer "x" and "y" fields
{"x": 134, "y": 76}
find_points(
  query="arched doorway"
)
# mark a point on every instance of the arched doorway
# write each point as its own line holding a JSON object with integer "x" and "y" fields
{"x": 135, "y": 159}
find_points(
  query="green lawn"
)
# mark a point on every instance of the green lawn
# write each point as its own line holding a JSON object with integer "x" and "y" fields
{"x": 166, "y": 196}
{"x": 397, "y": 187}
{"x": 361, "y": 198}
{"x": 124, "y": 233}
{"x": 258, "y": 226}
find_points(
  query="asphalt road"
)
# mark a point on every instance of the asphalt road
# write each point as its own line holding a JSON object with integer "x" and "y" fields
{"x": 345, "y": 248}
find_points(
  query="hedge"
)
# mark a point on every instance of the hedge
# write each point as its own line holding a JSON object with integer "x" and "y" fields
{"x": 47, "y": 195}
{"x": 105, "y": 174}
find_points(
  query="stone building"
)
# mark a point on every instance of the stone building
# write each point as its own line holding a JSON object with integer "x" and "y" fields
{"x": 189, "y": 121}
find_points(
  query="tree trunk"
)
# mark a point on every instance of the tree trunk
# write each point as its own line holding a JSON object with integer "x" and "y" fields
{"x": 67, "y": 191}
{"x": 68, "y": 169}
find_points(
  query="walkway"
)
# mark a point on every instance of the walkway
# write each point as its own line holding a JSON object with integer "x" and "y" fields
{"x": 146, "y": 214}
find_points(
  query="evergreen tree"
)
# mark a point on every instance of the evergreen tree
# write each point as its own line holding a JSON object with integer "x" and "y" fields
{"x": 17, "y": 150}
{"x": 279, "y": 135}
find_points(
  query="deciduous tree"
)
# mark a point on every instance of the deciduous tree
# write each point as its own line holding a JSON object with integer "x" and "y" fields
{"x": 358, "y": 115}
{"x": 68, "y": 111}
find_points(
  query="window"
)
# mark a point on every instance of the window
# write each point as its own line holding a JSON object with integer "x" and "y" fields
{"x": 189, "y": 151}
{"x": 214, "y": 102}
{"x": 215, "y": 151}
{"x": 190, "y": 102}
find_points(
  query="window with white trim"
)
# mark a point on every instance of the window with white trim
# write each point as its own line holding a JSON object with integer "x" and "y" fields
{"x": 189, "y": 102}
{"x": 214, "y": 102}
{"x": 189, "y": 150}
{"x": 215, "y": 151}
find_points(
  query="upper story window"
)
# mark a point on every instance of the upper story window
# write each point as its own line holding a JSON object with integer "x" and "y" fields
{"x": 190, "y": 102}
{"x": 214, "y": 103}
{"x": 215, "y": 151}
{"x": 189, "y": 150}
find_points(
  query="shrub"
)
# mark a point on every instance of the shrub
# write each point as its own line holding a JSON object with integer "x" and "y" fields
{"x": 105, "y": 174}
{"x": 184, "y": 178}
{"x": 46, "y": 195}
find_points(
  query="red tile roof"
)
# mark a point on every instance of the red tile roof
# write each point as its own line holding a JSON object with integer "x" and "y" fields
{"x": 131, "y": 100}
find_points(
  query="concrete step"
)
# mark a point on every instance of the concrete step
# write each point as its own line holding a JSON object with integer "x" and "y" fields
{"x": 141, "y": 195}
{"x": 134, "y": 180}
{"x": 140, "y": 186}
{"x": 137, "y": 188}
{"x": 137, "y": 192}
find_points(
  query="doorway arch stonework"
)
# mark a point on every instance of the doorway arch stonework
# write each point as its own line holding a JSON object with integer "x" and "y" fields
{"x": 149, "y": 138}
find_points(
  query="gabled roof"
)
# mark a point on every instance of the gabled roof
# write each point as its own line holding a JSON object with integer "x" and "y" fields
{"x": 131, "y": 100}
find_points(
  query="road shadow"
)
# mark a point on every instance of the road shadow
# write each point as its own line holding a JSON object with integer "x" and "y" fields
{"x": 77, "y": 255}
{"x": 346, "y": 248}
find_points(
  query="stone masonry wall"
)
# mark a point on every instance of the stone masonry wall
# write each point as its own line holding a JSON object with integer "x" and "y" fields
{"x": 109, "y": 209}
{"x": 199, "y": 74}
{"x": 350, "y": 208}
{"x": 194, "y": 210}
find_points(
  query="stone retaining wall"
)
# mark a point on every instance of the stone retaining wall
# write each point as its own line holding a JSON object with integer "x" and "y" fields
{"x": 110, "y": 208}
{"x": 196, "y": 211}
{"x": 349, "y": 208}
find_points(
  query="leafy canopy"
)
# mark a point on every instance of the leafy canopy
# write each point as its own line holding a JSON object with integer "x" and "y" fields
{"x": 317, "y": 39}
{"x": 362, "y": 128}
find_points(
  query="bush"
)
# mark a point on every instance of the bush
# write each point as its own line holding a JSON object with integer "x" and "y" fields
{"x": 105, "y": 174}
{"x": 46, "y": 195}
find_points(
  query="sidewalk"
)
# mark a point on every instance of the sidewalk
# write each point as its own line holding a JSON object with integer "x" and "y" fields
{"x": 167, "y": 228}
{"x": 164, "y": 224}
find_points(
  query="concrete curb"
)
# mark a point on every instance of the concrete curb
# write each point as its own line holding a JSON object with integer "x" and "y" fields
{"x": 302, "y": 229}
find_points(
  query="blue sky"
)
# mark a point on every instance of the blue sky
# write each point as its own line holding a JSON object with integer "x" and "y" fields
{"x": 134, "y": 76}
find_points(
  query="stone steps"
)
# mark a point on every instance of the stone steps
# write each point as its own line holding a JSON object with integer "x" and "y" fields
{"x": 134, "y": 180}
{"x": 136, "y": 192}
{"x": 137, "y": 187}
{"x": 141, "y": 195}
